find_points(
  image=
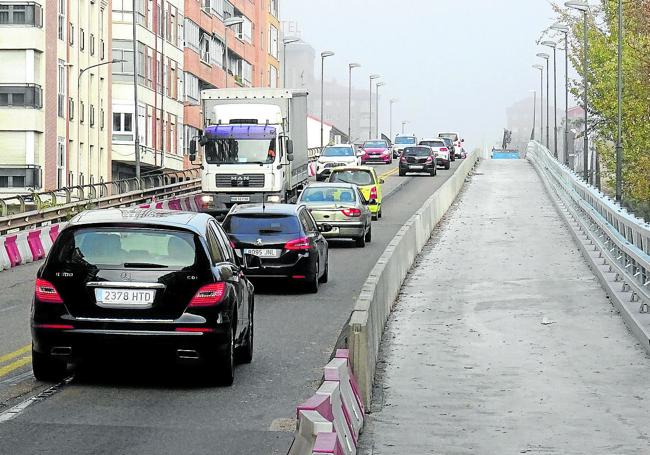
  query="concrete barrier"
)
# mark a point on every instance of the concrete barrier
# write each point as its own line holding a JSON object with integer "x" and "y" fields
{"x": 366, "y": 324}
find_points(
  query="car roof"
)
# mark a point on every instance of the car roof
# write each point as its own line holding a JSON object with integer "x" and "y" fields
{"x": 271, "y": 209}
{"x": 195, "y": 222}
{"x": 437, "y": 139}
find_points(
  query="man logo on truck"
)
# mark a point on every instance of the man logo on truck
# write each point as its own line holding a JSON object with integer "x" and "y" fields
{"x": 239, "y": 180}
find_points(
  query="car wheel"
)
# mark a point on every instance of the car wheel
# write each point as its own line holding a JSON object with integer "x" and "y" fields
{"x": 447, "y": 166}
{"x": 402, "y": 173}
{"x": 368, "y": 237}
{"x": 432, "y": 173}
{"x": 312, "y": 284}
{"x": 245, "y": 351}
{"x": 326, "y": 273}
{"x": 222, "y": 368}
{"x": 48, "y": 369}
{"x": 380, "y": 213}
{"x": 361, "y": 241}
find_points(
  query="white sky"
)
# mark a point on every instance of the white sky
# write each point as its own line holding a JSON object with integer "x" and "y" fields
{"x": 453, "y": 64}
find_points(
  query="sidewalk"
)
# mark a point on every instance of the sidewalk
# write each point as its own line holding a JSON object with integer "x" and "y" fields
{"x": 520, "y": 352}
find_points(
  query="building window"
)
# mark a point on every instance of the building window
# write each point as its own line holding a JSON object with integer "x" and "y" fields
{"x": 273, "y": 41}
{"x": 273, "y": 7}
{"x": 204, "y": 46}
{"x": 102, "y": 49}
{"x": 192, "y": 35}
{"x": 92, "y": 115}
{"x": 82, "y": 39}
{"x": 216, "y": 52}
{"x": 21, "y": 14}
{"x": 82, "y": 111}
{"x": 61, "y": 90}
{"x": 71, "y": 109}
{"x": 123, "y": 127}
{"x": 123, "y": 50}
{"x": 101, "y": 118}
{"x": 192, "y": 92}
{"x": 122, "y": 10}
{"x": 246, "y": 30}
{"x": 61, "y": 19}
{"x": 92, "y": 44}
{"x": 273, "y": 77}
{"x": 71, "y": 34}
{"x": 60, "y": 162}
{"x": 21, "y": 96}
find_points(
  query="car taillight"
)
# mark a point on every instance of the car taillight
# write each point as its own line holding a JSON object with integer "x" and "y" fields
{"x": 209, "y": 295}
{"x": 301, "y": 244}
{"x": 351, "y": 212}
{"x": 403, "y": 159}
{"x": 444, "y": 149}
{"x": 373, "y": 192}
{"x": 46, "y": 292}
{"x": 54, "y": 326}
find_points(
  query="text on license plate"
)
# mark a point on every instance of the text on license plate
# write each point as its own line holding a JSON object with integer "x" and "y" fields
{"x": 416, "y": 167}
{"x": 240, "y": 199}
{"x": 125, "y": 297}
{"x": 263, "y": 252}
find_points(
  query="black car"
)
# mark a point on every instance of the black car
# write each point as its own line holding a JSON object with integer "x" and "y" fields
{"x": 285, "y": 237}
{"x": 452, "y": 148}
{"x": 418, "y": 159}
{"x": 145, "y": 281}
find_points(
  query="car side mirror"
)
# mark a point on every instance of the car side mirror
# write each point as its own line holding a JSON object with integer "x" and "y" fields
{"x": 193, "y": 150}
{"x": 252, "y": 262}
{"x": 382, "y": 181}
{"x": 325, "y": 227}
{"x": 372, "y": 202}
{"x": 289, "y": 150}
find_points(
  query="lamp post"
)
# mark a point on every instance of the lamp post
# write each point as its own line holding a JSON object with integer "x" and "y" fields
{"x": 323, "y": 56}
{"x": 230, "y": 22}
{"x": 285, "y": 41}
{"x": 546, "y": 57}
{"x": 583, "y": 7}
{"x": 532, "y": 133}
{"x": 559, "y": 27}
{"x": 553, "y": 45}
{"x": 541, "y": 101}
{"x": 390, "y": 128}
{"x": 379, "y": 84}
{"x": 404, "y": 122}
{"x": 619, "y": 83}
{"x": 351, "y": 66}
{"x": 372, "y": 77}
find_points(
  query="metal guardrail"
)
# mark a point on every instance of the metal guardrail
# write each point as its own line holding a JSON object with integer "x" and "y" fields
{"x": 622, "y": 238}
{"x": 80, "y": 193}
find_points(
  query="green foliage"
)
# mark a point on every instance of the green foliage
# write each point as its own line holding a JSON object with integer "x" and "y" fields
{"x": 602, "y": 92}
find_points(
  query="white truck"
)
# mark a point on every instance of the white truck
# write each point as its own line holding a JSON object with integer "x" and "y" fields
{"x": 254, "y": 146}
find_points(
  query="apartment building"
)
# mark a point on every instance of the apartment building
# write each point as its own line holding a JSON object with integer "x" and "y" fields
{"x": 54, "y": 94}
{"x": 272, "y": 67}
{"x": 159, "y": 58}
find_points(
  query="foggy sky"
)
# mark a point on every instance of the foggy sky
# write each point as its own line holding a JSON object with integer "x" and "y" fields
{"x": 453, "y": 64}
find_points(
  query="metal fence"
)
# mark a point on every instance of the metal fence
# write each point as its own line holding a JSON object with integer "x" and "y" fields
{"x": 621, "y": 237}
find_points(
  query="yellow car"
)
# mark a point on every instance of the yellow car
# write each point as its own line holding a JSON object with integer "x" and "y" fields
{"x": 366, "y": 178}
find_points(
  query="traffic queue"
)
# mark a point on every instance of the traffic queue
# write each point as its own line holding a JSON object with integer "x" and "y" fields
{"x": 180, "y": 284}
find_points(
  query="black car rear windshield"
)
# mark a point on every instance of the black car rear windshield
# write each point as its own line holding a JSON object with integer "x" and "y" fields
{"x": 127, "y": 247}
{"x": 417, "y": 151}
{"x": 261, "y": 224}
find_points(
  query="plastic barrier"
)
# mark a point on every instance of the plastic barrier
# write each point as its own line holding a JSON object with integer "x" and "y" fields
{"x": 46, "y": 239}
{"x": 174, "y": 204}
{"x": 312, "y": 169}
{"x": 327, "y": 443}
{"x": 337, "y": 371}
{"x": 23, "y": 247}
{"x": 5, "y": 262}
{"x": 310, "y": 425}
{"x": 35, "y": 244}
{"x": 332, "y": 391}
{"x": 54, "y": 231}
{"x": 12, "y": 250}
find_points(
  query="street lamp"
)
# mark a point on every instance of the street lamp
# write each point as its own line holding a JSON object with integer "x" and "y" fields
{"x": 379, "y": 84}
{"x": 541, "y": 101}
{"x": 559, "y": 27}
{"x": 323, "y": 56}
{"x": 404, "y": 122}
{"x": 532, "y": 133}
{"x": 390, "y": 132}
{"x": 583, "y": 7}
{"x": 548, "y": 128}
{"x": 230, "y": 22}
{"x": 619, "y": 84}
{"x": 372, "y": 78}
{"x": 286, "y": 41}
{"x": 351, "y": 66}
{"x": 553, "y": 45}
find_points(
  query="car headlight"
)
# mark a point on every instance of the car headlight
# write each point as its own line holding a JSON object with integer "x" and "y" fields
{"x": 207, "y": 199}
{"x": 274, "y": 199}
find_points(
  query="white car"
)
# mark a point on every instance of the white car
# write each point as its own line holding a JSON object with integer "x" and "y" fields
{"x": 401, "y": 142}
{"x": 458, "y": 142}
{"x": 336, "y": 156}
{"x": 440, "y": 149}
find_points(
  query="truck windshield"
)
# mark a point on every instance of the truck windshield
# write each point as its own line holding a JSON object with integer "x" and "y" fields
{"x": 240, "y": 144}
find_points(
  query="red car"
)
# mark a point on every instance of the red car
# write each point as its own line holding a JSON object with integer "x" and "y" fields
{"x": 376, "y": 151}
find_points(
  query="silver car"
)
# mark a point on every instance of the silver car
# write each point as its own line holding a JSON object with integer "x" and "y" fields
{"x": 343, "y": 207}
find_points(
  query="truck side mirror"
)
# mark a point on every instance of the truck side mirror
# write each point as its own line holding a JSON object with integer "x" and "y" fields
{"x": 289, "y": 150}
{"x": 193, "y": 150}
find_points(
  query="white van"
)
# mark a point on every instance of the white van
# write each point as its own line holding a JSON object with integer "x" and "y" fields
{"x": 458, "y": 142}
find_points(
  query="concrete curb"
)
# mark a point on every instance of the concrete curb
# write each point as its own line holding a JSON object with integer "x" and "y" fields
{"x": 621, "y": 298}
{"x": 363, "y": 332}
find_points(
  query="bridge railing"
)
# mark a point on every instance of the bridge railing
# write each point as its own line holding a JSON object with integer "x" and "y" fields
{"x": 623, "y": 238}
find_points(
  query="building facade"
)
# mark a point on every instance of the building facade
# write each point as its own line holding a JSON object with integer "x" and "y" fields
{"x": 54, "y": 94}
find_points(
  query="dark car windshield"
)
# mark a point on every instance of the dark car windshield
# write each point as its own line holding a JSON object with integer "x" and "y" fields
{"x": 337, "y": 151}
{"x": 433, "y": 143}
{"x": 452, "y": 136}
{"x": 405, "y": 140}
{"x": 375, "y": 145}
{"x": 417, "y": 151}
{"x": 328, "y": 194}
{"x": 357, "y": 177}
{"x": 127, "y": 247}
{"x": 261, "y": 224}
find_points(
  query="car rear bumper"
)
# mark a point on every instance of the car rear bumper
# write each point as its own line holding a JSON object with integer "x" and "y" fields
{"x": 443, "y": 162}
{"x": 410, "y": 167}
{"x": 345, "y": 230}
{"x": 378, "y": 159}
{"x": 304, "y": 266}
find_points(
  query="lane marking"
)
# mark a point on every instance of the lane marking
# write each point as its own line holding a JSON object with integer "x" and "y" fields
{"x": 5, "y": 370}
{"x": 20, "y": 407}
{"x": 17, "y": 353}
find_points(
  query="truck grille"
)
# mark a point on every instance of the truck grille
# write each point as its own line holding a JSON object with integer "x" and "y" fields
{"x": 240, "y": 181}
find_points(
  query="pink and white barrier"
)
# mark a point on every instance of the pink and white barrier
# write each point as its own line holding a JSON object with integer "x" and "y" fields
{"x": 27, "y": 246}
{"x": 337, "y": 401}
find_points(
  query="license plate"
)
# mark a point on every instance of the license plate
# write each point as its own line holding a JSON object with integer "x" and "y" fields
{"x": 125, "y": 297}
{"x": 263, "y": 252}
{"x": 240, "y": 199}
{"x": 416, "y": 167}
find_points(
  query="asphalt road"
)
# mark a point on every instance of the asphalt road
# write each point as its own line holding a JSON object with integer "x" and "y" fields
{"x": 143, "y": 407}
